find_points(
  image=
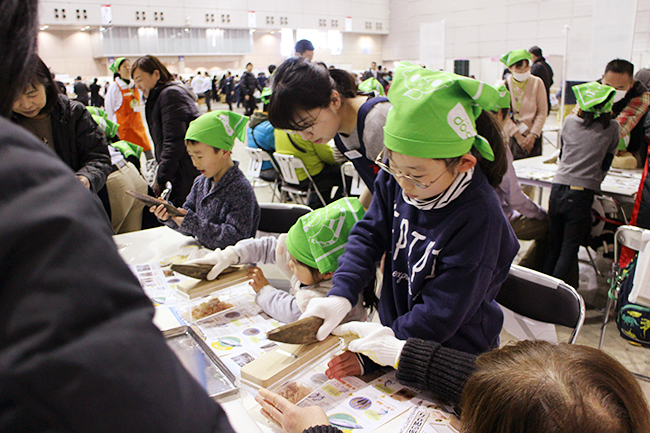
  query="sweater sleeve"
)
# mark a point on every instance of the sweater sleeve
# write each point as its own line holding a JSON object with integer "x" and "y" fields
{"x": 542, "y": 107}
{"x": 426, "y": 365}
{"x": 514, "y": 197}
{"x": 366, "y": 244}
{"x": 325, "y": 153}
{"x": 252, "y": 250}
{"x": 278, "y": 304}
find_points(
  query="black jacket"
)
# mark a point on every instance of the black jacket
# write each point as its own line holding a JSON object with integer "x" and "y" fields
{"x": 248, "y": 83}
{"x": 543, "y": 70}
{"x": 170, "y": 109}
{"x": 79, "y": 142}
{"x": 78, "y": 349}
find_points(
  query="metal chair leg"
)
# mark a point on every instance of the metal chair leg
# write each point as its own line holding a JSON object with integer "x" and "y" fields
{"x": 593, "y": 262}
{"x": 608, "y": 308}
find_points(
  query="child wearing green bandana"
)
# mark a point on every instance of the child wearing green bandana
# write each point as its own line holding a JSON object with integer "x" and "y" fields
{"x": 436, "y": 217}
{"x": 221, "y": 208}
{"x": 307, "y": 256}
{"x": 588, "y": 143}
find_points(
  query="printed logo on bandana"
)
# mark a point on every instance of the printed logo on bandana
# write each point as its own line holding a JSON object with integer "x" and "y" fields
{"x": 333, "y": 226}
{"x": 459, "y": 121}
{"x": 226, "y": 124}
{"x": 418, "y": 85}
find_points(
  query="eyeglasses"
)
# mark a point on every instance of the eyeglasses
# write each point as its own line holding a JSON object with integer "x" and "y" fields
{"x": 413, "y": 181}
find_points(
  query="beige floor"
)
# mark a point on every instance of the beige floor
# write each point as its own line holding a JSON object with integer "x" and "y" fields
{"x": 593, "y": 288}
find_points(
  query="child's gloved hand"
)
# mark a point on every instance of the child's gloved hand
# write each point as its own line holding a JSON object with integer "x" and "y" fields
{"x": 220, "y": 259}
{"x": 332, "y": 309}
{"x": 375, "y": 341}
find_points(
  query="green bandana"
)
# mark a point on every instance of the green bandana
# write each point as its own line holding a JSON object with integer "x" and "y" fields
{"x": 116, "y": 64}
{"x": 594, "y": 97}
{"x": 372, "y": 84}
{"x": 515, "y": 56}
{"x": 109, "y": 128}
{"x": 128, "y": 149}
{"x": 434, "y": 113}
{"x": 319, "y": 238}
{"x": 97, "y": 112}
{"x": 504, "y": 96}
{"x": 266, "y": 95}
{"x": 218, "y": 129}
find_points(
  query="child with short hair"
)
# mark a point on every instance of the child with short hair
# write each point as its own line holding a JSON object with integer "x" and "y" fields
{"x": 221, "y": 208}
{"x": 588, "y": 144}
{"x": 307, "y": 256}
{"x": 436, "y": 216}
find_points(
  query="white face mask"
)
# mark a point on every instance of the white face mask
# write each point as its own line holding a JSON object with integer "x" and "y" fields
{"x": 521, "y": 77}
{"x": 620, "y": 94}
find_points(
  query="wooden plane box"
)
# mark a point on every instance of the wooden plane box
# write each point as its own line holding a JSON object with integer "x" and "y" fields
{"x": 273, "y": 366}
{"x": 194, "y": 288}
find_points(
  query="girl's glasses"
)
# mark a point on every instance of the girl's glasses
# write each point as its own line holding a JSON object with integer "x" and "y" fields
{"x": 413, "y": 181}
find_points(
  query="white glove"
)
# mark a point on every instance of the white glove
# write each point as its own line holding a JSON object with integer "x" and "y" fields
{"x": 220, "y": 259}
{"x": 332, "y": 309}
{"x": 375, "y": 341}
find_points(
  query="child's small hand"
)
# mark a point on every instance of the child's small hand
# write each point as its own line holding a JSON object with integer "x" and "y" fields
{"x": 160, "y": 212}
{"x": 179, "y": 219}
{"x": 343, "y": 365}
{"x": 258, "y": 280}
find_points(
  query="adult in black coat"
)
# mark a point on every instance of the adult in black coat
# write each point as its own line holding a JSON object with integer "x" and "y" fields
{"x": 248, "y": 85}
{"x": 228, "y": 89}
{"x": 65, "y": 126}
{"x": 169, "y": 109}
{"x": 543, "y": 70}
{"x": 82, "y": 91}
{"x": 78, "y": 349}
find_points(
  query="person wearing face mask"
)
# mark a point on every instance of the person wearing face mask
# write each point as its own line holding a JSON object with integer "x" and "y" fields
{"x": 528, "y": 106}
{"x": 630, "y": 106}
{"x": 123, "y": 107}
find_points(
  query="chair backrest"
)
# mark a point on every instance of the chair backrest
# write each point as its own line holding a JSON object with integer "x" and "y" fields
{"x": 279, "y": 217}
{"x": 288, "y": 165}
{"x": 257, "y": 157}
{"x": 605, "y": 209}
{"x": 356, "y": 185}
{"x": 629, "y": 236}
{"x": 543, "y": 298}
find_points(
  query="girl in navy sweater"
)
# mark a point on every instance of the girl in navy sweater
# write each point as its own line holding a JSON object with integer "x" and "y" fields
{"x": 435, "y": 215}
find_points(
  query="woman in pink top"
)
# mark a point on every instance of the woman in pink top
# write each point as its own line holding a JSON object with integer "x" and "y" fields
{"x": 528, "y": 106}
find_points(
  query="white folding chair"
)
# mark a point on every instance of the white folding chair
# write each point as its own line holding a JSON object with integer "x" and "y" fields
{"x": 288, "y": 165}
{"x": 542, "y": 298}
{"x": 257, "y": 158}
{"x": 356, "y": 184}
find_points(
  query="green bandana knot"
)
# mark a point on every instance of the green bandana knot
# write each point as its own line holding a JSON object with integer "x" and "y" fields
{"x": 594, "y": 97}
{"x": 218, "y": 129}
{"x": 434, "y": 113}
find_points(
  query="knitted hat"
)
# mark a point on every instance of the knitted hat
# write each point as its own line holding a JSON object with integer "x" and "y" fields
{"x": 319, "y": 238}
{"x": 504, "y": 96}
{"x": 434, "y": 113}
{"x": 594, "y": 97}
{"x": 218, "y": 129}
{"x": 372, "y": 84}
{"x": 515, "y": 56}
{"x": 116, "y": 64}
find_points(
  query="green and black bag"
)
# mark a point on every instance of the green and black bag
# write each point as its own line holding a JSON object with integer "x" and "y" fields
{"x": 632, "y": 320}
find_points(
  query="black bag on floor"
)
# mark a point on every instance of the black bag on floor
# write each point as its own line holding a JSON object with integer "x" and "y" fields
{"x": 632, "y": 320}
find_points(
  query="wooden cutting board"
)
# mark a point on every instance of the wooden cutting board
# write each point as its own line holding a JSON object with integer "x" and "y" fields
{"x": 285, "y": 359}
{"x": 194, "y": 288}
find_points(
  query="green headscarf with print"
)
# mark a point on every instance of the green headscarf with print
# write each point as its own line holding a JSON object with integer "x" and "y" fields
{"x": 434, "y": 113}
{"x": 515, "y": 56}
{"x": 318, "y": 239}
{"x": 116, "y": 64}
{"x": 594, "y": 97}
{"x": 218, "y": 129}
{"x": 504, "y": 96}
{"x": 372, "y": 84}
{"x": 265, "y": 97}
{"x": 108, "y": 127}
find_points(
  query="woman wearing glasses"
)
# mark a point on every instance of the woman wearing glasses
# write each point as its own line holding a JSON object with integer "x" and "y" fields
{"x": 436, "y": 216}
{"x": 322, "y": 104}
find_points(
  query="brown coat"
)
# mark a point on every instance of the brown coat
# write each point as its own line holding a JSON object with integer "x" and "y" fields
{"x": 534, "y": 106}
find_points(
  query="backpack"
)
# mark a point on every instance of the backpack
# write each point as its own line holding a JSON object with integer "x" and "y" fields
{"x": 632, "y": 320}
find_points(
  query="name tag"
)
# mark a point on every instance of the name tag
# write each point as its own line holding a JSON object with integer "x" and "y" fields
{"x": 352, "y": 154}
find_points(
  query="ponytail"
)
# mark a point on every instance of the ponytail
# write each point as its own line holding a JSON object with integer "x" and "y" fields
{"x": 488, "y": 128}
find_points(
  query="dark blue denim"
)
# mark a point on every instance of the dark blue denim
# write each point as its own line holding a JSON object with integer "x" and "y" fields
{"x": 569, "y": 226}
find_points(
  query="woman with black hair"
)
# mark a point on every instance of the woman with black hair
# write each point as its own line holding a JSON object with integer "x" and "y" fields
{"x": 322, "y": 104}
{"x": 63, "y": 125}
{"x": 169, "y": 109}
{"x": 123, "y": 106}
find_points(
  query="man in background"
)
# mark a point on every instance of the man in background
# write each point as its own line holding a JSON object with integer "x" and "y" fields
{"x": 542, "y": 70}
{"x": 305, "y": 49}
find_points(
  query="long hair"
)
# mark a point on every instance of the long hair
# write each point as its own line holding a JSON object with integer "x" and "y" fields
{"x": 535, "y": 387}
{"x": 149, "y": 64}
{"x": 40, "y": 74}
{"x": 300, "y": 85}
{"x": 17, "y": 47}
